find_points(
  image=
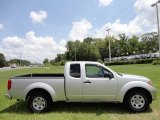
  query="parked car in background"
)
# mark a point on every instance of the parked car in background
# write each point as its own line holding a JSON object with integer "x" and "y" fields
{"x": 13, "y": 66}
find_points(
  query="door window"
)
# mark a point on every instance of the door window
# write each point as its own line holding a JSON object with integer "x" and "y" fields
{"x": 95, "y": 71}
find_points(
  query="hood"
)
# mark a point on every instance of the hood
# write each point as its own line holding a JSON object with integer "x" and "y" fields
{"x": 135, "y": 77}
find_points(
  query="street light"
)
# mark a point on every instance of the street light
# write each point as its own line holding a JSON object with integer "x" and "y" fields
{"x": 109, "y": 45}
{"x": 156, "y": 4}
{"x": 75, "y": 54}
{"x": 20, "y": 56}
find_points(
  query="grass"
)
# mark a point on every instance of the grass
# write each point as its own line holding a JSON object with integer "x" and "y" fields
{"x": 13, "y": 110}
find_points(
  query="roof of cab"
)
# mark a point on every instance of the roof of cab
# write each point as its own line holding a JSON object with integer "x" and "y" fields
{"x": 91, "y": 62}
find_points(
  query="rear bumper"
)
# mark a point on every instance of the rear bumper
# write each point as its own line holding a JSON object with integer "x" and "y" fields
{"x": 8, "y": 96}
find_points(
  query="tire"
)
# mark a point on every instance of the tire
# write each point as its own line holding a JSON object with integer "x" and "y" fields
{"x": 137, "y": 101}
{"x": 39, "y": 102}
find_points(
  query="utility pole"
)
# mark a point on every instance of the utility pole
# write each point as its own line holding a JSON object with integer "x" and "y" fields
{"x": 109, "y": 45}
{"x": 156, "y": 4}
{"x": 75, "y": 51}
{"x": 20, "y": 56}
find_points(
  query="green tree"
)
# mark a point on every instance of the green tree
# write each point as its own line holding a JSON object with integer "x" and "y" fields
{"x": 88, "y": 40}
{"x": 59, "y": 57}
{"x": 102, "y": 45}
{"x": 123, "y": 41}
{"x": 2, "y": 60}
{"x": 72, "y": 50}
{"x": 93, "y": 53}
{"x": 18, "y": 62}
{"x": 98, "y": 48}
{"x": 45, "y": 61}
{"x": 133, "y": 45}
{"x": 149, "y": 42}
{"x": 85, "y": 50}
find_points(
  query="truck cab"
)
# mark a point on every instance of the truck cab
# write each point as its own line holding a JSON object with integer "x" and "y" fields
{"x": 90, "y": 81}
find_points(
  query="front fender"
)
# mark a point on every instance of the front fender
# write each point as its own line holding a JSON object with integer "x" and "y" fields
{"x": 41, "y": 85}
{"x": 133, "y": 84}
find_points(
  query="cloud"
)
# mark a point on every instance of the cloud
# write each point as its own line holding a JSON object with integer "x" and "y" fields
{"x": 146, "y": 15}
{"x": 117, "y": 28}
{"x": 105, "y": 2}
{"x": 32, "y": 47}
{"x": 80, "y": 30}
{"x": 38, "y": 17}
{"x": 144, "y": 21}
{"x": 1, "y": 26}
{"x": 12, "y": 42}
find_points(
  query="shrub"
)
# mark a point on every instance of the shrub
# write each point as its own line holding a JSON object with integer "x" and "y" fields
{"x": 100, "y": 60}
{"x": 138, "y": 61}
{"x": 61, "y": 63}
{"x": 156, "y": 62}
{"x": 47, "y": 65}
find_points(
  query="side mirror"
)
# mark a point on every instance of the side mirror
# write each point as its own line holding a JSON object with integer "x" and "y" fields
{"x": 109, "y": 75}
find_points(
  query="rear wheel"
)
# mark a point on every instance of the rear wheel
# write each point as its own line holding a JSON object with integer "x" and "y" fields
{"x": 137, "y": 101}
{"x": 39, "y": 102}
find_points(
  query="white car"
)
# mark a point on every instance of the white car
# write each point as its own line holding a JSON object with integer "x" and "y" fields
{"x": 13, "y": 66}
{"x": 82, "y": 82}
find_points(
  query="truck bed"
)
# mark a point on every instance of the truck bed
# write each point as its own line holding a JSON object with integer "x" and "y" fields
{"x": 46, "y": 81}
{"x": 57, "y": 75}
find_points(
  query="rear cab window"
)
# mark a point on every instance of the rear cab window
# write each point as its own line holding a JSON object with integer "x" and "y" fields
{"x": 75, "y": 70}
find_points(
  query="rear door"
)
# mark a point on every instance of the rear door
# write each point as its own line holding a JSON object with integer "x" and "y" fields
{"x": 73, "y": 82}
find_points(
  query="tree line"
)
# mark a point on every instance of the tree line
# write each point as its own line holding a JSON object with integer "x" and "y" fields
{"x": 96, "y": 49}
{"x": 18, "y": 62}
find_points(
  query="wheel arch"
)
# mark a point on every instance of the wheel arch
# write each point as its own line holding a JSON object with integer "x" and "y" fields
{"x": 141, "y": 90}
{"x": 40, "y": 87}
{"x": 37, "y": 90}
{"x": 133, "y": 86}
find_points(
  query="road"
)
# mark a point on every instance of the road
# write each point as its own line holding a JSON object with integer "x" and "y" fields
{"x": 9, "y": 68}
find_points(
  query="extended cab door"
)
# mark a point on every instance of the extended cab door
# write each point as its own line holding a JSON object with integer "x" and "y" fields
{"x": 73, "y": 82}
{"x": 98, "y": 84}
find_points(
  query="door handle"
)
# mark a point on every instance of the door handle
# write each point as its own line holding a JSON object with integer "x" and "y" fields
{"x": 87, "y": 81}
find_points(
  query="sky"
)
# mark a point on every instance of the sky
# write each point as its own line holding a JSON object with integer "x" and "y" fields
{"x": 39, "y": 29}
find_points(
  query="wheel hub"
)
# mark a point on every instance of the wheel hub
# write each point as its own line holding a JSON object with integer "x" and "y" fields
{"x": 137, "y": 101}
{"x": 38, "y": 103}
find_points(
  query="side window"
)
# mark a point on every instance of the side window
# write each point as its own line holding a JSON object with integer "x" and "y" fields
{"x": 75, "y": 70}
{"x": 94, "y": 71}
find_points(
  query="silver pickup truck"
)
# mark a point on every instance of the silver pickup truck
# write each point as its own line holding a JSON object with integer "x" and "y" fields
{"x": 82, "y": 82}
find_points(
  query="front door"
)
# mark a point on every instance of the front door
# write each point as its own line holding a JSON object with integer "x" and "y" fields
{"x": 98, "y": 84}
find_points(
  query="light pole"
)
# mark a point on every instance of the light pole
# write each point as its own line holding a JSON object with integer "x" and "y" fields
{"x": 109, "y": 45}
{"x": 75, "y": 52}
{"x": 156, "y": 4}
{"x": 20, "y": 56}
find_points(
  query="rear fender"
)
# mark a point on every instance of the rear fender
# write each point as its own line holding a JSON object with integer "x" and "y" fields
{"x": 41, "y": 85}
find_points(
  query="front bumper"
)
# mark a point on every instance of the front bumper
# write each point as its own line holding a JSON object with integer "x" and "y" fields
{"x": 153, "y": 94}
{"x": 8, "y": 96}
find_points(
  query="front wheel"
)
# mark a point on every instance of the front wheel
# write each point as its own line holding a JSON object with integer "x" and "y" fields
{"x": 137, "y": 101}
{"x": 39, "y": 102}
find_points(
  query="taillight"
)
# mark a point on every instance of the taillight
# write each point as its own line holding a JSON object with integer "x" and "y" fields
{"x": 9, "y": 84}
